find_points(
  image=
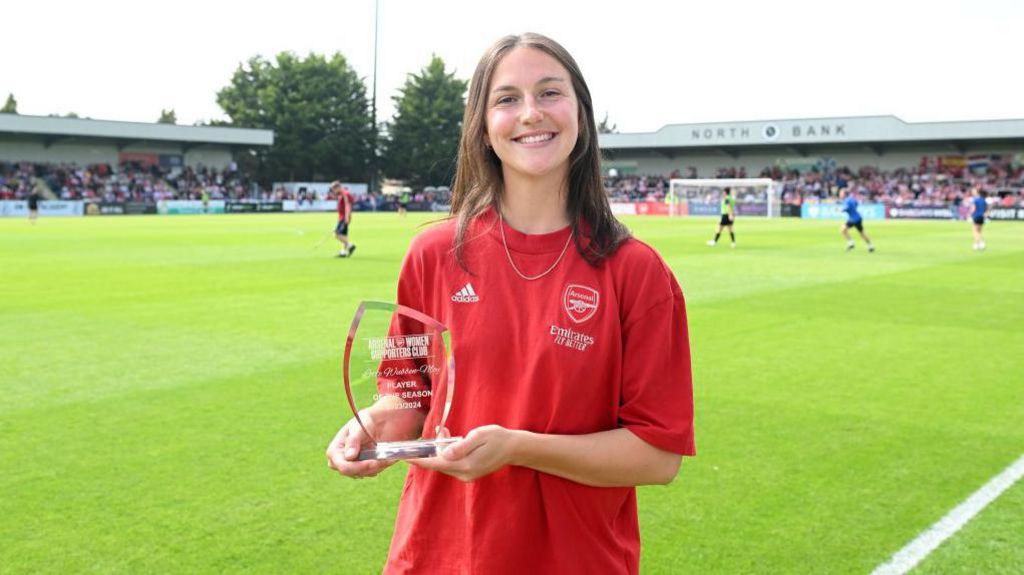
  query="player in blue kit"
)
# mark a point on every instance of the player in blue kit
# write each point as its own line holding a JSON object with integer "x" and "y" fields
{"x": 978, "y": 207}
{"x": 853, "y": 220}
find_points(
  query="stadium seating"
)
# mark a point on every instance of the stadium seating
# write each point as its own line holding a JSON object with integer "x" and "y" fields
{"x": 916, "y": 186}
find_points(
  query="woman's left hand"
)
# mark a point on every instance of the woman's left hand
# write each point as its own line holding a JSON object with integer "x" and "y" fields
{"x": 484, "y": 450}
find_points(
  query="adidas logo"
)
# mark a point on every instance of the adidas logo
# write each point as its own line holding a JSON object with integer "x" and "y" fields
{"x": 466, "y": 295}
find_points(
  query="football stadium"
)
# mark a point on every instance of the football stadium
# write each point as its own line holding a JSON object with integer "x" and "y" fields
{"x": 176, "y": 305}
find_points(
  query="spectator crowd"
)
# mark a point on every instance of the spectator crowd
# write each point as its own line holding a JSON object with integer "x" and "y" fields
{"x": 928, "y": 184}
{"x": 128, "y": 182}
{"x": 931, "y": 183}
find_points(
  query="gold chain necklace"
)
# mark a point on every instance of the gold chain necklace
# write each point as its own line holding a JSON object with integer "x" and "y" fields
{"x": 501, "y": 225}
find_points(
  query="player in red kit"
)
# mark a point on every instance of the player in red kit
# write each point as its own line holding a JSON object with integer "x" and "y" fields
{"x": 570, "y": 336}
{"x": 341, "y": 230}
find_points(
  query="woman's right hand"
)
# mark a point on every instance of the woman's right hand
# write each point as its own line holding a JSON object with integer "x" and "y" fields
{"x": 343, "y": 450}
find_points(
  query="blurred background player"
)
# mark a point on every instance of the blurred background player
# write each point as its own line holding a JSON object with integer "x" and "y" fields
{"x": 853, "y": 220}
{"x": 33, "y": 206}
{"x": 728, "y": 217}
{"x": 344, "y": 219}
{"x": 978, "y": 207}
{"x": 403, "y": 202}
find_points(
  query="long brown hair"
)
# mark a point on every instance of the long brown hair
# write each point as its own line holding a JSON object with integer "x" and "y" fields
{"x": 478, "y": 177}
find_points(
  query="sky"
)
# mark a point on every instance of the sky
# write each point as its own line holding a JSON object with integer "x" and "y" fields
{"x": 648, "y": 63}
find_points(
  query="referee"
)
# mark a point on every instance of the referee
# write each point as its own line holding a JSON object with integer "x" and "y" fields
{"x": 728, "y": 217}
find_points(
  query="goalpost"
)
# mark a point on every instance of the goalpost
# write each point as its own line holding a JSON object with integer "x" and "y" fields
{"x": 703, "y": 196}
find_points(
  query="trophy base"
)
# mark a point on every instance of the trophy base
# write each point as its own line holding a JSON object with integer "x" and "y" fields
{"x": 406, "y": 449}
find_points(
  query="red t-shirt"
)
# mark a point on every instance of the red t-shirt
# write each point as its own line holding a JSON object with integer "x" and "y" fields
{"x": 344, "y": 196}
{"x": 582, "y": 350}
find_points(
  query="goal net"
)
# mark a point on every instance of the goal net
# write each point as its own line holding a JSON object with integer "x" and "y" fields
{"x": 703, "y": 197}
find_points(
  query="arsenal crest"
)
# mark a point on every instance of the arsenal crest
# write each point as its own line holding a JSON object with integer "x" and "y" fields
{"x": 580, "y": 302}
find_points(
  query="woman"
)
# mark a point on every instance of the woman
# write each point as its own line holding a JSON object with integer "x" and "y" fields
{"x": 574, "y": 380}
{"x": 33, "y": 205}
{"x": 978, "y": 207}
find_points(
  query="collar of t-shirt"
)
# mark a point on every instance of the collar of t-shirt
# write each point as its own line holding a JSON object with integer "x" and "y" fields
{"x": 524, "y": 243}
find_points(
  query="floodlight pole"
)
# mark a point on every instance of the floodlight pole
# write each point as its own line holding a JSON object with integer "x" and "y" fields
{"x": 373, "y": 101}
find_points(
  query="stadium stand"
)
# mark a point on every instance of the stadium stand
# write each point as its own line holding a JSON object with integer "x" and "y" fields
{"x": 928, "y": 184}
{"x": 885, "y": 158}
{"x": 129, "y": 181}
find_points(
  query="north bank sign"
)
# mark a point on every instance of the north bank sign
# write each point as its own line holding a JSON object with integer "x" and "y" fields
{"x": 769, "y": 132}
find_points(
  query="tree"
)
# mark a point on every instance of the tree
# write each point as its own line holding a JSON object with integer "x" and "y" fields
{"x": 11, "y": 106}
{"x": 167, "y": 117}
{"x": 604, "y": 128}
{"x": 318, "y": 110}
{"x": 423, "y": 140}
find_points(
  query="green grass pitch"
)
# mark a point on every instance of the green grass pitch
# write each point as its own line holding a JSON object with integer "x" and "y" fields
{"x": 169, "y": 384}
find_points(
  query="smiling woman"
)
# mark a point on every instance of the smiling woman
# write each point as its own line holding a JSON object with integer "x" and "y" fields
{"x": 532, "y": 123}
{"x": 589, "y": 393}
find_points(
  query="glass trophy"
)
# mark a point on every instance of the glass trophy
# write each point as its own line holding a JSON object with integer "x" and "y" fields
{"x": 399, "y": 381}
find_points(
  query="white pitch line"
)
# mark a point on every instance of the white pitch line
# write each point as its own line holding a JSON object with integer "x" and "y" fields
{"x": 907, "y": 558}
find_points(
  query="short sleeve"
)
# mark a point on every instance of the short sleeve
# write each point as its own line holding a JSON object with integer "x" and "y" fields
{"x": 410, "y": 280}
{"x": 656, "y": 402}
